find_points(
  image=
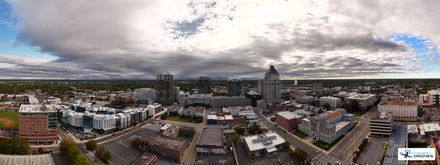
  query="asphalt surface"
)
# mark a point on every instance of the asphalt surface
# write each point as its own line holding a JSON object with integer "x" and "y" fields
{"x": 372, "y": 151}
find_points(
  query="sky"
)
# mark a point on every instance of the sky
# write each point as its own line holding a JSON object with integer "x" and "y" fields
{"x": 136, "y": 39}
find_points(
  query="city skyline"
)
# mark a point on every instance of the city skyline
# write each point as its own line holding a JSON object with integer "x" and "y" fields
{"x": 138, "y": 39}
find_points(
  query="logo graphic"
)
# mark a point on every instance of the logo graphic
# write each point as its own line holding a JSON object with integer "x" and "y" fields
{"x": 416, "y": 154}
{"x": 406, "y": 154}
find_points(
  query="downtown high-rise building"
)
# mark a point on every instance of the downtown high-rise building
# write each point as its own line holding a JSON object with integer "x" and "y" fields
{"x": 234, "y": 86}
{"x": 272, "y": 86}
{"x": 165, "y": 88}
{"x": 204, "y": 85}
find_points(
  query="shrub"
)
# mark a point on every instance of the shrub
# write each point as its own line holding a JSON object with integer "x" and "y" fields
{"x": 103, "y": 154}
{"x": 91, "y": 145}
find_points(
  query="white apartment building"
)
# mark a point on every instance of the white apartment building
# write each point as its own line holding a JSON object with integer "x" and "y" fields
{"x": 334, "y": 102}
{"x": 401, "y": 111}
{"x": 122, "y": 120}
{"x": 104, "y": 123}
{"x": 153, "y": 109}
{"x": 75, "y": 119}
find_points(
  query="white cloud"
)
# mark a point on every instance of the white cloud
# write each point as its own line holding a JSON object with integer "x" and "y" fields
{"x": 136, "y": 39}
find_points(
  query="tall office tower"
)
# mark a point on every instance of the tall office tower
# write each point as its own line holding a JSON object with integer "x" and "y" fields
{"x": 234, "y": 86}
{"x": 260, "y": 86}
{"x": 272, "y": 86}
{"x": 204, "y": 85}
{"x": 165, "y": 88}
{"x": 176, "y": 92}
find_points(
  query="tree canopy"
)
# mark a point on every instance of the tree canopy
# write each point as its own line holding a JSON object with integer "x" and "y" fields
{"x": 14, "y": 146}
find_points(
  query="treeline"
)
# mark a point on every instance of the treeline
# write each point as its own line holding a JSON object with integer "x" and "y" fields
{"x": 14, "y": 146}
{"x": 53, "y": 88}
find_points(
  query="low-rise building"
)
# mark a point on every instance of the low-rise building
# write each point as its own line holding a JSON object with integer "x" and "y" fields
{"x": 224, "y": 101}
{"x": 429, "y": 129}
{"x": 144, "y": 95}
{"x": 306, "y": 99}
{"x": 288, "y": 120}
{"x": 402, "y": 111}
{"x": 211, "y": 141}
{"x": 168, "y": 148}
{"x": 35, "y": 159}
{"x": 431, "y": 99}
{"x": 334, "y": 102}
{"x": 328, "y": 126}
{"x": 261, "y": 145}
{"x": 412, "y": 130}
{"x": 194, "y": 111}
{"x": 365, "y": 100}
{"x": 380, "y": 126}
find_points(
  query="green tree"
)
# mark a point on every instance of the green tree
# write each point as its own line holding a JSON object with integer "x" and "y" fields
{"x": 300, "y": 154}
{"x": 81, "y": 160}
{"x": 91, "y": 145}
{"x": 70, "y": 150}
{"x": 240, "y": 130}
{"x": 354, "y": 105}
{"x": 235, "y": 138}
{"x": 14, "y": 146}
{"x": 103, "y": 154}
{"x": 326, "y": 106}
{"x": 285, "y": 145}
{"x": 255, "y": 129}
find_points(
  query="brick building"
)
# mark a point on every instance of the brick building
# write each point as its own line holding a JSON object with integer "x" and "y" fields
{"x": 38, "y": 123}
{"x": 288, "y": 120}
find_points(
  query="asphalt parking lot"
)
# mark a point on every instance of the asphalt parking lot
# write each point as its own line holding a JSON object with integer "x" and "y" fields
{"x": 121, "y": 150}
{"x": 226, "y": 159}
{"x": 372, "y": 151}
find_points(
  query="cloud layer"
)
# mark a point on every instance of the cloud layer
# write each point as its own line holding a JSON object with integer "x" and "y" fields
{"x": 136, "y": 39}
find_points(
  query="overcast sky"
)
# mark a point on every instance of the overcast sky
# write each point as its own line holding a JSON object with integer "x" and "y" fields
{"x": 116, "y": 39}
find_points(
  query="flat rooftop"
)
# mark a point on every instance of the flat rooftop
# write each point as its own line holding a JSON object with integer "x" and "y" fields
{"x": 36, "y": 108}
{"x": 211, "y": 136}
{"x": 40, "y": 159}
{"x": 399, "y": 103}
{"x": 264, "y": 141}
{"x": 412, "y": 129}
{"x": 289, "y": 115}
{"x": 175, "y": 144}
{"x": 431, "y": 127}
{"x": 341, "y": 125}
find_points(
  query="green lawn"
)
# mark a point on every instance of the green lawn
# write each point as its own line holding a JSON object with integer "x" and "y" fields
{"x": 326, "y": 146}
{"x": 184, "y": 119}
{"x": 8, "y": 119}
{"x": 300, "y": 134}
